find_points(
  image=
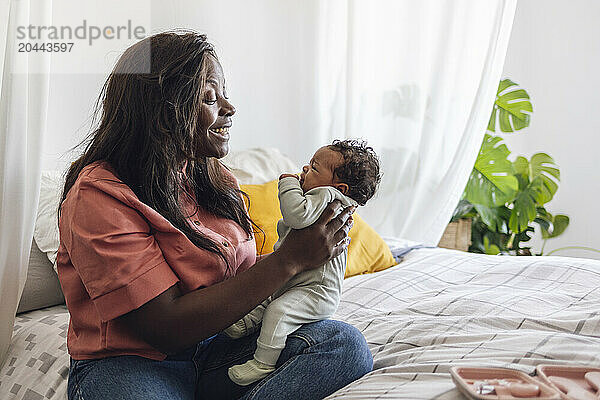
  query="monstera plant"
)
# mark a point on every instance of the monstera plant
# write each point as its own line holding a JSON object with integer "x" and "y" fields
{"x": 505, "y": 198}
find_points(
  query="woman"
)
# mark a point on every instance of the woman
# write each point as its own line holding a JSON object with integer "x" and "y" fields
{"x": 157, "y": 252}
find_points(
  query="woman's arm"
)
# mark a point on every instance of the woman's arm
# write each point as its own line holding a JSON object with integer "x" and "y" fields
{"x": 172, "y": 322}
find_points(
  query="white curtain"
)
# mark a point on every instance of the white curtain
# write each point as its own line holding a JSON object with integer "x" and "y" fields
{"x": 418, "y": 80}
{"x": 23, "y": 104}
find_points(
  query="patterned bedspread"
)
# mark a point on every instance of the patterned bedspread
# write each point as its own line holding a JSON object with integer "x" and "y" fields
{"x": 438, "y": 308}
{"x": 37, "y": 364}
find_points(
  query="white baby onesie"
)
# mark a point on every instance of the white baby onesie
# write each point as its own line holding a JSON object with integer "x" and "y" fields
{"x": 309, "y": 296}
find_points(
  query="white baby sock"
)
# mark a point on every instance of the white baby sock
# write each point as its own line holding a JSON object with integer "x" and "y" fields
{"x": 249, "y": 372}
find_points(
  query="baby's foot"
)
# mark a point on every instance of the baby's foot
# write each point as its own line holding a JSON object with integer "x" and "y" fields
{"x": 243, "y": 327}
{"x": 249, "y": 372}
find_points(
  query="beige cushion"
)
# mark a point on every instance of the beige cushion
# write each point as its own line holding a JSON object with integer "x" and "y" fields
{"x": 42, "y": 288}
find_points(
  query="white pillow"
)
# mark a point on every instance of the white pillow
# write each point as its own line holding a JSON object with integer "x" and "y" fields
{"x": 258, "y": 166}
{"x": 46, "y": 224}
{"x": 253, "y": 166}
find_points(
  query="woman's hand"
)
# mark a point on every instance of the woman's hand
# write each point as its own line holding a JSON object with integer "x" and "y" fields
{"x": 288, "y": 176}
{"x": 313, "y": 246}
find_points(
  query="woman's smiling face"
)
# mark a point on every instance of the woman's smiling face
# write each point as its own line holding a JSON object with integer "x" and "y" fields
{"x": 215, "y": 115}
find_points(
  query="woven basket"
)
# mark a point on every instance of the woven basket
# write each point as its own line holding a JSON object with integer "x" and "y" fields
{"x": 457, "y": 235}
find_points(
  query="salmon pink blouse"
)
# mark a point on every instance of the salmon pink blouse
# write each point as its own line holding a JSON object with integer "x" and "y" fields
{"x": 116, "y": 253}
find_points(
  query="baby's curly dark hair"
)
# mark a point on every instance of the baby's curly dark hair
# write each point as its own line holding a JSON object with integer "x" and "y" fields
{"x": 360, "y": 169}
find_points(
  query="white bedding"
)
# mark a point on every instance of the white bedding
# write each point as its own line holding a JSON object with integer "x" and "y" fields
{"x": 436, "y": 309}
{"x": 441, "y": 308}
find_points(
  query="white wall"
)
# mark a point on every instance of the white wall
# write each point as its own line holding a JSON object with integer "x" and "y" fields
{"x": 77, "y": 76}
{"x": 266, "y": 90}
{"x": 554, "y": 53}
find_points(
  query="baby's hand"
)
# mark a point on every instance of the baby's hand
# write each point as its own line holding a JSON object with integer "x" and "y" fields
{"x": 289, "y": 176}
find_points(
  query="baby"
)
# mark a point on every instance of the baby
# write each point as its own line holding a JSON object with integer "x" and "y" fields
{"x": 347, "y": 170}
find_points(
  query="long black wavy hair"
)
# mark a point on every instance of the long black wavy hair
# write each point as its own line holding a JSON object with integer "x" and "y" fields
{"x": 149, "y": 117}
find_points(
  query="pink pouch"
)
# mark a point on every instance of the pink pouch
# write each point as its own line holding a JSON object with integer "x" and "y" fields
{"x": 575, "y": 375}
{"x": 505, "y": 384}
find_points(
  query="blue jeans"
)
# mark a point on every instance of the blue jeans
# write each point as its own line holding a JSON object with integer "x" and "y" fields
{"x": 319, "y": 358}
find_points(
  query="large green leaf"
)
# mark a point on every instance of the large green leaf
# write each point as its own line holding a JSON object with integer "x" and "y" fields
{"x": 490, "y": 249}
{"x": 491, "y": 182}
{"x": 525, "y": 206}
{"x": 521, "y": 166}
{"x": 543, "y": 165}
{"x": 522, "y": 237}
{"x": 559, "y": 224}
{"x": 512, "y": 108}
{"x": 480, "y": 231}
{"x": 463, "y": 209}
{"x": 496, "y": 218}
{"x": 544, "y": 219}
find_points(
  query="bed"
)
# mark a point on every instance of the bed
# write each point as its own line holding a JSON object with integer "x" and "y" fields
{"x": 436, "y": 309}
{"x": 441, "y": 308}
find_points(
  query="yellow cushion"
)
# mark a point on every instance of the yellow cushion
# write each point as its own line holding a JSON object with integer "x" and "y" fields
{"x": 264, "y": 212}
{"x": 367, "y": 251}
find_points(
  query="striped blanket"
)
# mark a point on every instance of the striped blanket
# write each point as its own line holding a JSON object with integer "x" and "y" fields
{"x": 441, "y": 308}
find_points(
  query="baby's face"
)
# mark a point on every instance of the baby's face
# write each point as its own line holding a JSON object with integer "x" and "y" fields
{"x": 319, "y": 172}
